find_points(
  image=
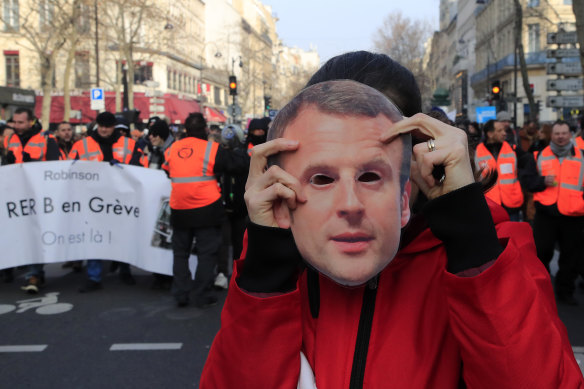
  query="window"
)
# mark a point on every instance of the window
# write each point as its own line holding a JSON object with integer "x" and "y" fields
{"x": 217, "y": 95}
{"x": 533, "y": 37}
{"x": 567, "y": 2}
{"x": 10, "y": 12}
{"x": 82, "y": 79}
{"x": 83, "y": 22}
{"x": 12, "y": 70}
{"x": 225, "y": 98}
{"x": 168, "y": 78}
{"x": 142, "y": 72}
{"x": 533, "y": 3}
{"x": 46, "y": 13}
{"x": 174, "y": 80}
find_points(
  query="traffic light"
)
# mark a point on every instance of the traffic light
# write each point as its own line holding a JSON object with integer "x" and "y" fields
{"x": 232, "y": 86}
{"x": 267, "y": 102}
{"x": 496, "y": 90}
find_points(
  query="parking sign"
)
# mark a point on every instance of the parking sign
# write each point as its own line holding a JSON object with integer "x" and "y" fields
{"x": 97, "y": 99}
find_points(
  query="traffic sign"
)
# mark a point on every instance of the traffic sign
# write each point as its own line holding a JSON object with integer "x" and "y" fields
{"x": 565, "y": 101}
{"x": 234, "y": 110}
{"x": 97, "y": 99}
{"x": 565, "y": 68}
{"x": 563, "y": 53}
{"x": 573, "y": 84}
{"x": 484, "y": 114}
{"x": 156, "y": 101}
{"x": 272, "y": 113}
{"x": 156, "y": 108}
{"x": 562, "y": 37}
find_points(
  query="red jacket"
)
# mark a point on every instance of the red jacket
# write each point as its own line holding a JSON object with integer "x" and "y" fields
{"x": 498, "y": 329}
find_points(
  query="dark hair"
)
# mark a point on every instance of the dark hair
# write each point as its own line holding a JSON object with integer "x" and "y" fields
{"x": 377, "y": 71}
{"x": 63, "y": 122}
{"x": 342, "y": 97}
{"x": 196, "y": 125}
{"x": 489, "y": 126}
{"x": 159, "y": 128}
{"x": 29, "y": 114}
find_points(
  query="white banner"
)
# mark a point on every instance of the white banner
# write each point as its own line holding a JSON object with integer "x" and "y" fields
{"x": 73, "y": 210}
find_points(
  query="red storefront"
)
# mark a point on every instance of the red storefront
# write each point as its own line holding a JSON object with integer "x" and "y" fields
{"x": 175, "y": 107}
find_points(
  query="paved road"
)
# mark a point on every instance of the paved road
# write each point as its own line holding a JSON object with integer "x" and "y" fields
{"x": 122, "y": 336}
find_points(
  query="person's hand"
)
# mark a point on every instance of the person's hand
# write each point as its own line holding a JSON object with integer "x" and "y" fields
{"x": 550, "y": 181}
{"x": 450, "y": 151}
{"x": 10, "y": 157}
{"x": 266, "y": 189}
{"x": 26, "y": 157}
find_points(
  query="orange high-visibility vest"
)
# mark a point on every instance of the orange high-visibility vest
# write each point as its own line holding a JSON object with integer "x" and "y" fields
{"x": 88, "y": 149}
{"x": 36, "y": 147}
{"x": 507, "y": 190}
{"x": 567, "y": 194}
{"x": 190, "y": 163}
{"x": 579, "y": 142}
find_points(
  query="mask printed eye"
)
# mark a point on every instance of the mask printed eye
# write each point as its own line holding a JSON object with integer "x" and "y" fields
{"x": 369, "y": 177}
{"x": 320, "y": 180}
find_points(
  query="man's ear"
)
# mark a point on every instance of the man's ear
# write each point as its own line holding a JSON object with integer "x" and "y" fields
{"x": 282, "y": 214}
{"x": 405, "y": 204}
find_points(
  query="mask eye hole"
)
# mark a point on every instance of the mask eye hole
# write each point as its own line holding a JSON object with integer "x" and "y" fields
{"x": 321, "y": 180}
{"x": 369, "y": 177}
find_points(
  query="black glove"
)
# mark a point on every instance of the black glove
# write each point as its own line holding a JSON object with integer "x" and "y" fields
{"x": 26, "y": 157}
{"x": 10, "y": 158}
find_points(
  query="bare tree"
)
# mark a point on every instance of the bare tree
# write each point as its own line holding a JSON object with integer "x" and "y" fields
{"x": 42, "y": 25}
{"x": 403, "y": 40}
{"x": 533, "y": 112}
{"x": 124, "y": 25}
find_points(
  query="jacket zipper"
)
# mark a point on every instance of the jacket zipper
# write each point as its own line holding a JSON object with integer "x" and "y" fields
{"x": 363, "y": 335}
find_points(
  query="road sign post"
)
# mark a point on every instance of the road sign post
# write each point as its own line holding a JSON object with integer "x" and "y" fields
{"x": 97, "y": 99}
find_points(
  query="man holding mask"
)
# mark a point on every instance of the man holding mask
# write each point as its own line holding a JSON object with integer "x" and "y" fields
{"x": 437, "y": 313}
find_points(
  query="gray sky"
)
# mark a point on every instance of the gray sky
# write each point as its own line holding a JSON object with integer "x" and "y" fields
{"x": 337, "y": 27}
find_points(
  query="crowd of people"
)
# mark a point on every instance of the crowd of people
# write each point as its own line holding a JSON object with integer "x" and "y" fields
{"x": 540, "y": 181}
{"x": 375, "y": 243}
{"x": 206, "y": 199}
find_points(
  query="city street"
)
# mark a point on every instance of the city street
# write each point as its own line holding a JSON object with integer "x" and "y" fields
{"x": 119, "y": 337}
{"x": 122, "y": 336}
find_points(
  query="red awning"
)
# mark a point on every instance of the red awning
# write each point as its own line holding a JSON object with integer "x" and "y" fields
{"x": 212, "y": 115}
{"x": 174, "y": 107}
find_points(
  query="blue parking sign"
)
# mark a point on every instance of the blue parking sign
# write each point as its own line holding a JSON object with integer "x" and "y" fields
{"x": 96, "y": 93}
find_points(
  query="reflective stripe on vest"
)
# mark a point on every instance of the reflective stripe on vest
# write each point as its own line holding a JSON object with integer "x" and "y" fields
{"x": 122, "y": 152}
{"x": 186, "y": 180}
{"x": 36, "y": 147}
{"x": 190, "y": 163}
{"x": 569, "y": 173}
{"x": 88, "y": 155}
{"x": 507, "y": 191}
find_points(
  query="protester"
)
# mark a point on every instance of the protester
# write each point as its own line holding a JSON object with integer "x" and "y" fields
{"x": 29, "y": 143}
{"x": 108, "y": 145}
{"x": 196, "y": 208}
{"x": 495, "y": 153}
{"x": 404, "y": 295}
{"x": 544, "y": 134}
{"x": 257, "y": 131}
{"x": 232, "y": 192}
{"x": 64, "y": 135}
{"x": 504, "y": 117}
{"x": 556, "y": 181}
{"x": 161, "y": 140}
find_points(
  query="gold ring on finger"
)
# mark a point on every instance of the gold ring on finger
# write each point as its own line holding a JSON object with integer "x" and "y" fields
{"x": 431, "y": 145}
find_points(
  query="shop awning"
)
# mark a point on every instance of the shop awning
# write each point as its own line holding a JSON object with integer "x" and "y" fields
{"x": 214, "y": 116}
{"x": 175, "y": 108}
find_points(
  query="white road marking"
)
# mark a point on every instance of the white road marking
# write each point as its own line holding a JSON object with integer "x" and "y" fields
{"x": 145, "y": 346}
{"x": 29, "y": 348}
